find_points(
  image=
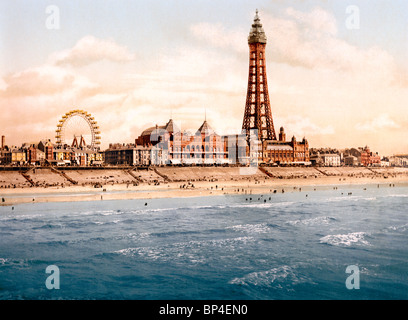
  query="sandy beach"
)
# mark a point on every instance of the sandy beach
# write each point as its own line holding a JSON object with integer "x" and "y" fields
{"x": 191, "y": 182}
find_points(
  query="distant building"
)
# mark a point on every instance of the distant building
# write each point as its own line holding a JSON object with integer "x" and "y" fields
{"x": 351, "y": 161}
{"x": 5, "y": 157}
{"x": 369, "y": 158}
{"x": 385, "y": 162}
{"x": 331, "y": 159}
{"x": 325, "y": 157}
{"x": 353, "y": 152}
{"x": 285, "y": 152}
{"x": 399, "y": 161}
{"x": 34, "y": 155}
{"x": 129, "y": 155}
{"x": 18, "y": 156}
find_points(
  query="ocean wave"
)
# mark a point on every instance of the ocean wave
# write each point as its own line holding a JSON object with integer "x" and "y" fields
{"x": 19, "y": 263}
{"x": 257, "y": 205}
{"x": 49, "y": 226}
{"x": 348, "y": 198}
{"x": 191, "y": 251}
{"x": 313, "y": 221}
{"x": 401, "y": 228}
{"x": 345, "y": 239}
{"x": 278, "y": 277}
{"x": 397, "y": 195}
{"x": 251, "y": 228}
{"x": 162, "y": 254}
{"x": 133, "y": 236}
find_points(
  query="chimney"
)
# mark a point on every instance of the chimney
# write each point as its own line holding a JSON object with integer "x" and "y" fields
{"x": 3, "y": 142}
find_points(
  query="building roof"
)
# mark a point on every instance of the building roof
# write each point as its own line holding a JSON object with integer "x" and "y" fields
{"x": 170, "y": 127}
{"x": 149, "y": 131}
{"x": 279, "y": 147}
{"x": 257, "y": 33}
{"x": 205, "y": 129}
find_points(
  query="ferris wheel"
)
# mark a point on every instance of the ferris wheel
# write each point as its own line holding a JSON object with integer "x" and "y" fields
{"x": 78, "y": 128}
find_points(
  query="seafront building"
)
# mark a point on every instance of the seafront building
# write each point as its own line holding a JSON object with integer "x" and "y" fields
{"x": 169, "y": 145}
{"x": 128, "y": 155}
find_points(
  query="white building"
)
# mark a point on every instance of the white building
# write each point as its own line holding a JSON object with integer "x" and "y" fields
{"x": 330, "y": 159}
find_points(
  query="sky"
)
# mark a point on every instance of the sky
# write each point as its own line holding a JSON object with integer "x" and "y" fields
{"x": 337, "y": 70}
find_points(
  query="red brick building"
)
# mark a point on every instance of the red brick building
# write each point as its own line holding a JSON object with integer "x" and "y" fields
{"x": 176, "y": 147}
{"x": 369, "y": 158}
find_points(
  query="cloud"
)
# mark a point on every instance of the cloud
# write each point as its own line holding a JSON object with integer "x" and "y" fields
{"x": 304, "y": 126}
{"x": 381, "y": 122}
{"x": 90, "y": 49}
{"x": 310, "y": 40}
{"x": 318, "y": 20}
{"x": 217, "y": 35}
{"x": 45, "y": 80}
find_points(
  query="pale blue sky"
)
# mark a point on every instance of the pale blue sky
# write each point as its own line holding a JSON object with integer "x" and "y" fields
{"x": 150, "y": 25}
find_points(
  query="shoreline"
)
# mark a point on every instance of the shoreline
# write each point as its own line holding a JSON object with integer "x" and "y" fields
{"x": 15, "y": 196}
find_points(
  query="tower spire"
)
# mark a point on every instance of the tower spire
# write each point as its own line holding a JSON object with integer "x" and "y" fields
{"x": 258, "y": 113}
{"x": 257, "y": 33}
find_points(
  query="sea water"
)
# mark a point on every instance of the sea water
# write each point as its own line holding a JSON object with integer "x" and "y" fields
{"x": 292, "y": 245}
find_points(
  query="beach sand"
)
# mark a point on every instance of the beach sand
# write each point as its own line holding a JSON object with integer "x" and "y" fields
{"x": 210, "y": 182}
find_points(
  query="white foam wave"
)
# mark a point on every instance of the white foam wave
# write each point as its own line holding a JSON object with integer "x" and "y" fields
{"x": 259, "y": 205}
{"x": 345, "y": 239}
{"x": 401, "y": 228}
{"x": 182, "y": 251}
{"x": 275, "y": 276}
{"x": 348, "y": 198}
{"x": 312, "y": 221}
{"x": 251, "y": 228}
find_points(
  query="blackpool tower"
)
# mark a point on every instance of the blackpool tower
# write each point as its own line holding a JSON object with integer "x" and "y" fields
{"x": 258, "y": 113}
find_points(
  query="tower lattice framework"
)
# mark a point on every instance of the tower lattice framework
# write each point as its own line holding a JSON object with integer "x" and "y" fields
{"x": 258, "y": 113}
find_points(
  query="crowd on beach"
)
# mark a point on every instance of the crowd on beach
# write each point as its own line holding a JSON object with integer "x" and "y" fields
{"x": 152, "y": 178}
